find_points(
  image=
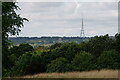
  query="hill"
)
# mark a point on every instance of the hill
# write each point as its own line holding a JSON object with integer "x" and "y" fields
{"x": 45, "y": 41}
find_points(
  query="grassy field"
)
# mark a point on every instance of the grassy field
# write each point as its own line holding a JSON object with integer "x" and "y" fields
{"x": 85, "y": 74}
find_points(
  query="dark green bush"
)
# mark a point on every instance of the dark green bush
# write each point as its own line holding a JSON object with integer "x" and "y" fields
{"x": 58, "y": 65}
{"x": 30, "y": 63}
{"x": 21, "y": 49}
{"x": 82, "y": 61}
{"x": 108, "y": 60}
{"x": 97, "y": 45}
{"x": 66, "y": 50}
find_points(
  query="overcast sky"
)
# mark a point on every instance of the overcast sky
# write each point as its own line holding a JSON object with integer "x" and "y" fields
{"x": 64, "y": 18}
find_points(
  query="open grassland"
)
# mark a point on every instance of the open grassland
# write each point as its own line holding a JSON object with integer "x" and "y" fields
{"x": 85, "y": 74}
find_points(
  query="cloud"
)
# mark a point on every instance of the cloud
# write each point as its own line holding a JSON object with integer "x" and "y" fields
{"x": 60, "y": 18}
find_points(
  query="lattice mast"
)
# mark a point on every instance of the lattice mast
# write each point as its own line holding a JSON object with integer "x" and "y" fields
{"x": 82, "y": 34}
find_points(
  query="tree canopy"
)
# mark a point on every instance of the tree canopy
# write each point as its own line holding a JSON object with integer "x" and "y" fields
{"x": 11, "y": 24}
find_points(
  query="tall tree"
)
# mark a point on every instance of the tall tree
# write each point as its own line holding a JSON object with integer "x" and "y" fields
{"x": 11, "y": 24}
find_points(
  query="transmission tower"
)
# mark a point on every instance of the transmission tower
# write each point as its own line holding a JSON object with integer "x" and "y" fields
{"x": 82, "y": 34}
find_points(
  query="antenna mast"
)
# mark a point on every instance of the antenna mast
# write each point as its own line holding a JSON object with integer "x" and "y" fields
{"x": 82, "y": 34}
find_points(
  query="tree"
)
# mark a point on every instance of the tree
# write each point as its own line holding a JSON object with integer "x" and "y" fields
{"x": 21, "y": 49}
{"x": 66, "y": 50}
{"x": 11, "y": 24}
{"x": 82, "y": 61}
{"x": 58, "y": 65}
{"x": 11, "y": 21}
{"x": 97, "y": 45}
{"x": 56, "y": 45}
{"x": 108, "y": 60}
{"x": 29, "y": 63}
{"x": 17, "y": 51}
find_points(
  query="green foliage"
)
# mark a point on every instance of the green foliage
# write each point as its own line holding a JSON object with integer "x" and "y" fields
{"x": 96, "y": 53}
{"x": 21, "y": 49}
{"x": 58, "y": 65}
{"x": 30, "y": 63}
{"x": 97, "y": 45}
{"x": 56, "y": 45}
{"x": 13, "y": 59}
{"x": 108, "y": 60}
{"x": 66, "y": 50}
{"x": 117, "y": 46}
{"x": 11, "y": 21}
{"x": 11, "y": 24}
{"x": 55, "y": 41}
{"x": 15, "y": 52}
{"x": 69, "y": 50}
{"x": 82, "y": 61}
{"x": 117, "y": 37}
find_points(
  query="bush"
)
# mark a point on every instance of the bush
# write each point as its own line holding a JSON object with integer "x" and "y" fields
{"x": 58, "y": 65}
{"x": 30, "y": 63}
{"x": 97, "y": 45}
{"x": 21, "y": 49}
{"x": 12, "y": 59}
{"x": 13, "y": 55}
{"x": 66, "y": 50}
{"x": 82, "y": 61}
{"x": 108, "y": 60}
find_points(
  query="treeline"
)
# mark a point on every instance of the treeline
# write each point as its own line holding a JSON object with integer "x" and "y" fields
{"x": 100, "y": 52}
{"x": 45, "y": 40}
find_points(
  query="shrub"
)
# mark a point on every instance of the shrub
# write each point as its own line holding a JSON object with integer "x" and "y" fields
{"x": 66, "y": 50}
{"x": 108, "y": 60}
{"x": 21, "y": 49}
{"x": 97, "y": 45}
{"x": 30, "y": 63}
{"x": 82, "y": 61}
{"x": 58, "y": 65}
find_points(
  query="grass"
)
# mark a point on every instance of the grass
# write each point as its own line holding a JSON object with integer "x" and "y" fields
{"x": 85, "y": 74}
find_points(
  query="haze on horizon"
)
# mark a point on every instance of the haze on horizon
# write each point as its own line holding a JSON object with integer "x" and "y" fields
{"x": 64, "y": 18}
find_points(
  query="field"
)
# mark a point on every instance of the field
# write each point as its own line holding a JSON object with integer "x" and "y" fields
{"x": 85, "y": 74}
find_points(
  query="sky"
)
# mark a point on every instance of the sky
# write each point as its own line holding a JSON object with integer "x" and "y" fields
{"x": 65, "y": 18}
